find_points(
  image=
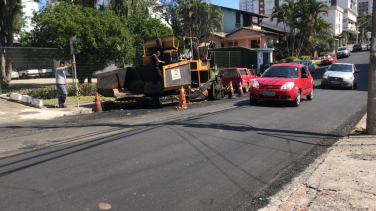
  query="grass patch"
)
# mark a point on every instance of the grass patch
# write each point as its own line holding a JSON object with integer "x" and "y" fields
{"x": 72, "y": 100}
{"x": 317, "y": 64}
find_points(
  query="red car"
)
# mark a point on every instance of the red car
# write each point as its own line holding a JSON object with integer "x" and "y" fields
{"x": 329, "y": 58}
{"x": 237, "y": 75}
{"x": 283, "y": 82}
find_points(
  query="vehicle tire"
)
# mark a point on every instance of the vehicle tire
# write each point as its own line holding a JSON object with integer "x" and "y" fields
{"x": 310, "y": 96}
{"x": 24, "y": 76}
{"x": 296, "y": 103}
{"x": 352, "y": 86}
{"x": 253, "y": 101}
{"x": 246, "y": 88}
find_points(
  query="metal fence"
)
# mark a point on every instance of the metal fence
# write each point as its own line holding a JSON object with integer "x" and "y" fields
{"x": 24, "y": 61}
{"x": 225, "y": 59}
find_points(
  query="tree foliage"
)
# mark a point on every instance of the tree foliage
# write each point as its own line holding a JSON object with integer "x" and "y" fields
{"x": 323, "y": 41}
{"x": 197, "y": 16}
{"x": 141, "y": 26}
{"x": 101, "y": 36}
{"x": 303, "y": 18}
{"x": 126, "y": 8}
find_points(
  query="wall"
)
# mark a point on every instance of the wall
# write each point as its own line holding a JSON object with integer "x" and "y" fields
{"x": 229, "y": 20}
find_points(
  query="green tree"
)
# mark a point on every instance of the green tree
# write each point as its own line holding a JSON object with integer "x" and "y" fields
{"x": 141, "y": 27}
{"x": 11, "y": 22}
{"x": 125, "y": 8}
{"x": 323, "y": 41}
{"x": 191, "y": 17}
{"x": 99, "y": 35}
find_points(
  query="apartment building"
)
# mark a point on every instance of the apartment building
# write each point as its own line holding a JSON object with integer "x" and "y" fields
{"x": 365, "y": 6}
{"x": 248, "y": 5}
{"x": 28, "y": 9}
{"x": 342, "y": 13}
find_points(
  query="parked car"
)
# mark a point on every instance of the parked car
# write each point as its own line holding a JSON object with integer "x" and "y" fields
{"x": 309, "y": 64}
{"x": 28, "y": 73}
{"x": 46, "y": 73}
{"x": 238, "y": 75}
{"x": 357, "y": 47}
{"x": 329, "y": 58}
{"x": 340, "y": 75}
{"x": 15, "y": 75}
{"x": 283, "y": 82}
{"x": 343, "y": 52}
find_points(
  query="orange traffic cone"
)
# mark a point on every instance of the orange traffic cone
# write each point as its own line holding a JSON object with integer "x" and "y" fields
{"x": 240, "y": 89}
{"x": 231, "y": 91}
{"x": 182, "y": 101}
{"x": 97, "y": 106}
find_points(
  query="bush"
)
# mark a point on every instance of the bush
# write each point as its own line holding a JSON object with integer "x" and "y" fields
{"x": 292, "y": 59}
{"x": 305, "y": 57}
{"x": 51, "y": 91}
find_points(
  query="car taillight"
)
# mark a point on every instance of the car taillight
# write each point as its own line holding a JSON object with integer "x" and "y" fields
{"x": 27, "y": 71}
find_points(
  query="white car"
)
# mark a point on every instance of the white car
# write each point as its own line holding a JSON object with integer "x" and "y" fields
{"x": 29, "y": 73}
{"x": 15, "y": 75}
{"x": 46, "y": 73}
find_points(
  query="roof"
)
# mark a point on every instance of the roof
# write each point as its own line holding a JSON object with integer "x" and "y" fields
{"x": 273, "y": 28}
{"x": 245, "y": 12}
{"x": 252, "y": 29}
{"x": 220, "y": 34}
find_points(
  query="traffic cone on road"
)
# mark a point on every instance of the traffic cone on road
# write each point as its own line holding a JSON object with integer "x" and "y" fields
{"x": 231, "y": 91}
{"x": 97, "y": 105}
{"x": 240, "y": 89}
{"x": 182, "y": 101}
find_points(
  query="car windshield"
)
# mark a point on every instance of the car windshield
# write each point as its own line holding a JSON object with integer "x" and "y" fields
{"x": 328, "y": 56}
{"x": 357, "y": 45}
{"x": 281, "y": 72}
{"x": 229, "y": 73}
{"x": 340, "y": 67}
{"x": 342, "y": 49}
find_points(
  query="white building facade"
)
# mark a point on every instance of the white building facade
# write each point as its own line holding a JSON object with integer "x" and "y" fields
{"x": 342, "y": 13}
{"x": 29, "y": 7}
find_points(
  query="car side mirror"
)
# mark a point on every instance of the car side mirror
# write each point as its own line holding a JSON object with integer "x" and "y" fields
{"x": 259, "y": 74}
{"x": 304, "y": 75}
{"x": 357, "y": 71}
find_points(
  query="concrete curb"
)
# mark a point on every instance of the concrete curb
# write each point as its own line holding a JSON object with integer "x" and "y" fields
{"x": 25, "y": 100}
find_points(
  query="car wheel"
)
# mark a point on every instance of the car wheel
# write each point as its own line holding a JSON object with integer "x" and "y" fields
{"x": 310, "y": 96}
{"x": 246, "y": 88}
{"x": 296, "y": 103}
{"x": 24, "y": 76}
{"x": 352, "y": 86}
{"x": 253, "y": 101}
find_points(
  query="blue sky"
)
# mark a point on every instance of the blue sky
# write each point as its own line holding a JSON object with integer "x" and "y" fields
{"x": 227, "y": 3}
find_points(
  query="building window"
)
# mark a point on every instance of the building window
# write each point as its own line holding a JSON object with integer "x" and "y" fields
{"x": 230, "y": 44}
{"x": 236, "y": 44}
{"x": 222, "y": 44}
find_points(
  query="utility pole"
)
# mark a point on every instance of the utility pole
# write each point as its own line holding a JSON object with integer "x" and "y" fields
{"x": 371, "y": 101}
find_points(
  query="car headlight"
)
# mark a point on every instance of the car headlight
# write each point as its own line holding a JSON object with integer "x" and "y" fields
{"x": 348, "y": 78}
{"x": 256, "y": 84}
{"x": 325, "y": 77}
{"x": 288, "y": 85}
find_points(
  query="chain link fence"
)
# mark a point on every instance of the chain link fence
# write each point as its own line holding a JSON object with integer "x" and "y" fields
{"x": 226, "y": 59}
{"x": 35, "y": 67}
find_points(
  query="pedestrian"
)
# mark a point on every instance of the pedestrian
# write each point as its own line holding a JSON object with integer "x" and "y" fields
{"x": 61, "y": 83}
{"x": 155, "y": 67}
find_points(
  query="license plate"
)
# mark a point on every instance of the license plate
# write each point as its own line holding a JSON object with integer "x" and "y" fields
{"x": 267, "y": 93}
{"x": 334, "y": 82}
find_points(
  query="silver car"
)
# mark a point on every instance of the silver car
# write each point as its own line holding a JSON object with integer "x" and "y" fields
{"x": 309, "y": 64}
{"x": 340, "y": 75}
{"x": 343, "y": 52}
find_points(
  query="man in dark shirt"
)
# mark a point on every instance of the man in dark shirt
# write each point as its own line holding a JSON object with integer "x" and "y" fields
{"x": 155, "y": 67}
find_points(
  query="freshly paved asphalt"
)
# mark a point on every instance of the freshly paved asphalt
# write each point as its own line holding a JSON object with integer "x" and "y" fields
{"x": 215, "y": 162}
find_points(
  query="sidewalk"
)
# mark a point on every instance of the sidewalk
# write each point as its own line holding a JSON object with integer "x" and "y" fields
{"x": 344, "y": 178}
{"x": 11, "y": 111}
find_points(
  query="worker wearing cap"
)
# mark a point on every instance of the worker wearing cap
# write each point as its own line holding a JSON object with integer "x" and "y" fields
{"x": 61, "y": 82}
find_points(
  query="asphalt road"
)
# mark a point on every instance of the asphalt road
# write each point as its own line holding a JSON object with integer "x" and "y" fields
{"x": 218, "y": 161}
